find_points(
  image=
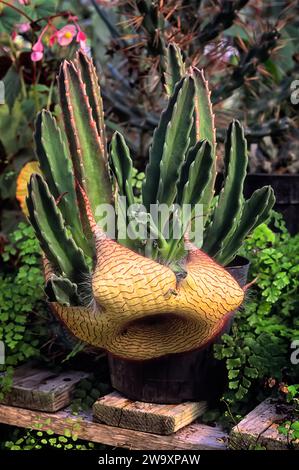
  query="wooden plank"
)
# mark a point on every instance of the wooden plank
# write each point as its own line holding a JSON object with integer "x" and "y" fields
{"x": 41, "y": 389}
{"x": 116, "y": 410}
{"x": 196, "y": 436}
{"x": 260, "y": 427}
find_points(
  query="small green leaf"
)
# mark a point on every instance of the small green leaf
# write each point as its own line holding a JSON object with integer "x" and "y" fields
{"x": 12, "y": 86}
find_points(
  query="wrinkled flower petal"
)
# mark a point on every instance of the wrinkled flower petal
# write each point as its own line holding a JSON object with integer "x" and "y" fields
{"x": 81, "y": 37}
{"x": 38, "y": 47}
{"x": 23, "y": 27}
{"x": 37, "y": 51}
{"x": 36, "y": 56}
{"x": 66, "y": 34}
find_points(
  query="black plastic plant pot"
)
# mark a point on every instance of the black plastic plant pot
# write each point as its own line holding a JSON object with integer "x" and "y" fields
{"x": 195, "y": 375}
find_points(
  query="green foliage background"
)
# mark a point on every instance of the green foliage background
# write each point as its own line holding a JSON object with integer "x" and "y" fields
{"x": 260, "y": 343}
{"x": 21, "y": 291}
{"x": 258, "y": 350}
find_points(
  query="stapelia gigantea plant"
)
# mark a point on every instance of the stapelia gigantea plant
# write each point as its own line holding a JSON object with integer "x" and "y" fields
{"x": 120, "y": 295}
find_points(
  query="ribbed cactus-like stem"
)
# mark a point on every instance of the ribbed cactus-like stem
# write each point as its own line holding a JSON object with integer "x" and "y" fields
{"x": 175, "y": 68}
{"x": 85, "y": 143}
{"x": 56, "y": 165}
{"x": 57, "y": 243}
{"x": 227, "y": 211}
{"x": 170, "y": 142}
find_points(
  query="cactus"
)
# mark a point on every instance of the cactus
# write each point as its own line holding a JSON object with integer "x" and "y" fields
{"x": 175, "y": 68}
{"x": 120, "y": 294}
{"x": 55, "y": 164}
{"x": 203, "y": 119}
{"x": 84, "y": 129}
{"x": 195, "y": 174}
{"x": 227, "y": 212}
{"x": 47, "y": 220}
{"x": 170, "y": 132}
{"x": 122, "y": 167}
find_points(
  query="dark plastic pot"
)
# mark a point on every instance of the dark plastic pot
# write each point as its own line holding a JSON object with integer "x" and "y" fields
{"x": 195, "y": 375}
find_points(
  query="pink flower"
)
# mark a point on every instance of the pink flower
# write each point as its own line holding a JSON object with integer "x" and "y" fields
{"x": 37, "y": 51}
{"x": 24, "y": 2}
{"x": 36, "y": 56}
{"x": 66, "y": 34}
{"x": 81, "y": 38}
{"x": 23, "y": 27}
{"x": 52, "y": 39}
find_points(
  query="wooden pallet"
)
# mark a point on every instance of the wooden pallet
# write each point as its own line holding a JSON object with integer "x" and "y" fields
{"x": 196, "y": 436}
{"x": 260, "y": 427}
{"x": 38, "y": 394}
{"x": 35, "y": 388}
{"x": 116, "y": 410}
{"x": 40, "y": 389}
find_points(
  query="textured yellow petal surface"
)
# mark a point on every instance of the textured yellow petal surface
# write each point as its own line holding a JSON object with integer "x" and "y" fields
{"x": 22, "y": 183}
{"x": 141, "y": 313}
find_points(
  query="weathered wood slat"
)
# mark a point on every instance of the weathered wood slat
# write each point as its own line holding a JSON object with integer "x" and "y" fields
{"x": 260, "y": 427}
{"x": 116, "y": 410}
{"x": 41, "y": 389}
{"x": 196, "y": 436}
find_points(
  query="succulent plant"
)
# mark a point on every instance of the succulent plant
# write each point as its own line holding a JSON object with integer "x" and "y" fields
{"x": 140, "y": 297}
